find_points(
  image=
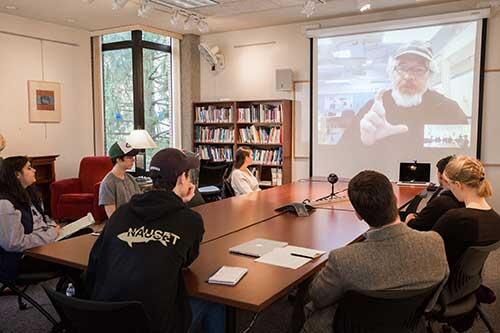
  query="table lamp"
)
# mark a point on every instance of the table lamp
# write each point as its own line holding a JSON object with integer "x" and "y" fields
{"x": 140, "y": 140}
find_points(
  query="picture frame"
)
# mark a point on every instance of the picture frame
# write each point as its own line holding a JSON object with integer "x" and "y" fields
{"x": 44, "y": 101}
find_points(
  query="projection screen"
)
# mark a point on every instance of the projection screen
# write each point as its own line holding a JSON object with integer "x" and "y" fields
{"x": 381, "y": 97}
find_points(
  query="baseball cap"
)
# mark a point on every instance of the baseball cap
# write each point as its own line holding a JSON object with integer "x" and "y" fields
{"x": 170, "y": 163}
{"x": 120, "y": 149}
{"x": 420, "y": 48}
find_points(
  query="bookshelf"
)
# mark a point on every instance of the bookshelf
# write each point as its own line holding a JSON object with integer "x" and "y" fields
{"x": 264, "y": 126}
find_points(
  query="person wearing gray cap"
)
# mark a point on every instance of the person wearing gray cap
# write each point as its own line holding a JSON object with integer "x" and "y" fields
{"x": 405, "y": 109}
{"x": 147, "y": 242}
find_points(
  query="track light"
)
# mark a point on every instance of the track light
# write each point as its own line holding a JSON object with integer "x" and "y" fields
{"x": 118, "y": 4}
{"x": 145, "y": 9}
{"x": 203, "y": 26}
{"x": 309, "y": 7}
{"x": 189, "y": 22}
{"x": 364, "y": 5}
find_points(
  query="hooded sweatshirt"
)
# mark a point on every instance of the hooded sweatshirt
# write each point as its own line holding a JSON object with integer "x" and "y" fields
{"x": 140, "y": 254}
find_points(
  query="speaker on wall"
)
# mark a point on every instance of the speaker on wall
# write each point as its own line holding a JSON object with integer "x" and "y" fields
{"x": 284, "y": 79}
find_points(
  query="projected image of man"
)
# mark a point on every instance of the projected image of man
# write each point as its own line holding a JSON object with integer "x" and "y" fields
{"x": 409, "y": 105}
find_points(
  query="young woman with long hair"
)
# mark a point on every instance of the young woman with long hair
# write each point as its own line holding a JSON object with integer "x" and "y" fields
{"x": 242, "y": 180}
{"x": 23, "y": 224}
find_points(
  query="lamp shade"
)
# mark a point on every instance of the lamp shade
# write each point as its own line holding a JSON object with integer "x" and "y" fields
{"x": 140, "y": 139}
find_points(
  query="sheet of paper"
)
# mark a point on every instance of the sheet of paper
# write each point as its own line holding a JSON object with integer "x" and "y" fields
{"x": 282, "y": 257}
{"x": 304, "y": 251}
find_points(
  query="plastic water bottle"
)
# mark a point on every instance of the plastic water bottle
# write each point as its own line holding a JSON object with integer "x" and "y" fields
{"x": 70, "y": 291}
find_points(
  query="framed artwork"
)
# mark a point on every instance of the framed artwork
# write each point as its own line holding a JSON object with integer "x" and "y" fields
{"x": 44, "y": 101}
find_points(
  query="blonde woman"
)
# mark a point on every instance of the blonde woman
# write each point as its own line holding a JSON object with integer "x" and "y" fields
{"x": 477, "y": 223}
{"x": 242, "y": 180}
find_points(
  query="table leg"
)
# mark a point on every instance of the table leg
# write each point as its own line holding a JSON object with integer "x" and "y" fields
{"x": 230, "y": 319}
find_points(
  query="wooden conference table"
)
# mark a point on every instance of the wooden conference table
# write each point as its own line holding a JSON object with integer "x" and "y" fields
{"x": 236, "y": 220}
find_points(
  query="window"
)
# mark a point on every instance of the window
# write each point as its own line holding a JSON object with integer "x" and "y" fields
{"x": 137, "y": 84}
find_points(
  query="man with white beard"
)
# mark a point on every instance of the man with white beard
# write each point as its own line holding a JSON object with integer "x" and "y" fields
{"x": 402, "y": 112}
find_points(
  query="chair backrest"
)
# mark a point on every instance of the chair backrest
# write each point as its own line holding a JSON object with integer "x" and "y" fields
{"x": 79, "y": 315}
{"x": 213, "y": 173}
{"x": 382, "y": 311}
{"x": 227, "y": 188}
{"x": 92, "y": 170}
{"x": 465, "y": 278}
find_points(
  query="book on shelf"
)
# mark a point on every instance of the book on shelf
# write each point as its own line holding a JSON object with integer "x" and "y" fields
{"x": 265, "y": 135}
{"x": 267, "y": 156}
{"x": 212, "y": 114}
{"x": 216, "y": 154}
{"x": 211, "y": 134}
{"x": 276, "y": 176}
{"x": 261, "y": 113}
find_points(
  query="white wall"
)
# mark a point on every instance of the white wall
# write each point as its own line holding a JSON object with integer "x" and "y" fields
{"x": 250, "y": 70}
{"x": 249, "y": 74}
{"x": 20, "y": 61}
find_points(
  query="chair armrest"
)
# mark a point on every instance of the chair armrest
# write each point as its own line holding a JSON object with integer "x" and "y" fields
{"x": 60, "y": 187}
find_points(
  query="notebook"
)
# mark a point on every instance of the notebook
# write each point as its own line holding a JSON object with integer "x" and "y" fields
{"x": 228, "y": 275}
{"x": 290, "y": 256}
{"x": 73, "y": 227}
{"x": 414, "y": 174}
{"x": 257, "y": 247}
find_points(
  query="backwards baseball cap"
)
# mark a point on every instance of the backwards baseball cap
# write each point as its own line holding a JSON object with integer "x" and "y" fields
{"x": 420, "y": 48}
{"x": 120, "y": 149}
{"x": 170, "y": 163}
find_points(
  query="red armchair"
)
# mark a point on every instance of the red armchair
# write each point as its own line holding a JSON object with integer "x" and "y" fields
{"x": 73, "y": 198}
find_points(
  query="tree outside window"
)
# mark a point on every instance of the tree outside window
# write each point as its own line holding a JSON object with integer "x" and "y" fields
{"x": 137, "y": 83}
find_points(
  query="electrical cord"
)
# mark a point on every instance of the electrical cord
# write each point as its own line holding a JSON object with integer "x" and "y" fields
{"x": 249, "y": 327}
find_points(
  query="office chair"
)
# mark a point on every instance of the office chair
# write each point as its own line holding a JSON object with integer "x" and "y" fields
{"x": 80, "y": 315}
{"x": 382, "y": 311}
{"x": 19, "y": 286}
{"x": 458, "y": 297}
{"x": 227, "y": 188}
{"x": 211, "y": 179}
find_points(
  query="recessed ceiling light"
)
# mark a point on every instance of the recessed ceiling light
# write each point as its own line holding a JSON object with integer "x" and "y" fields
{"x": 70, "y": 20}
{"x": 11, "y": 7}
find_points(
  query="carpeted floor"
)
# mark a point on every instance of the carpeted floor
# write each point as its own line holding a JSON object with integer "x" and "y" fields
{"x": 274, "y": 320}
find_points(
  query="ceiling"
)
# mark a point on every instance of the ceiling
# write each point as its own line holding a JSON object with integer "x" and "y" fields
{"x": 228, "y": 15}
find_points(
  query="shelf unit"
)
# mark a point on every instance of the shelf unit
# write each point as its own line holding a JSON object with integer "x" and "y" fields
{"x": 223, "y": 116}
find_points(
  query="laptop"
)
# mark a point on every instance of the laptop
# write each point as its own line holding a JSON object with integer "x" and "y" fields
{"x": 257, "y": 247}
{"x": 414, "y": 174}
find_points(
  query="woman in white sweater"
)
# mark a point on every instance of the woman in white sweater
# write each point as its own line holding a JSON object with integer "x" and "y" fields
{"x": 242, "y": 180}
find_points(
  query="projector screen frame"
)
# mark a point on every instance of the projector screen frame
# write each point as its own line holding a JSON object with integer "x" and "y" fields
{"x": 312, "y": 69}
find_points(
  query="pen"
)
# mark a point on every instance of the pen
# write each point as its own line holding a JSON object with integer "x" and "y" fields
{"x": 301, "y": 255}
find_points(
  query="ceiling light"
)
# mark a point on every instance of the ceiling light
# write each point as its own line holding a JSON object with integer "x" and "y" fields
{"x": 145, "y": 9}
{"x": 187, "y": 4}
{"x": 118, "y": 4}
{"x": 88, "y": 1}
{"x": 10, "y": 7}
{"x": 364, "y": 5}
{"x": 189, "y": 22}
{"x": 174, "y": 19}
{"x": 70, "y": 20}
{"x": 203, "y": 26}
{"x": 309, "y": 7}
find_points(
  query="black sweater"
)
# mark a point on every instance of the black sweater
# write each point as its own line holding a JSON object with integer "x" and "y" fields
{"x": 140, "y": 255}
{"x": 435, "y": 208}
{"x": 465, "y": 227}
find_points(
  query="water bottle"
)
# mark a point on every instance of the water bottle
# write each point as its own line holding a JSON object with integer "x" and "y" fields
{"x": 70, "y": 291}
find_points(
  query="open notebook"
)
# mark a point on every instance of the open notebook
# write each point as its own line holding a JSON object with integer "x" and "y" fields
{"x": 73, "y": 227}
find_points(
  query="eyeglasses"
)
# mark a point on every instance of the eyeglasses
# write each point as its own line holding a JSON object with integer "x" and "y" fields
{"x": 415, "y": 70}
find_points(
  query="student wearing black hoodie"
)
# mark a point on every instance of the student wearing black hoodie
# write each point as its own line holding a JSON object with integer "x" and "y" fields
{"x": 145, "y": 245}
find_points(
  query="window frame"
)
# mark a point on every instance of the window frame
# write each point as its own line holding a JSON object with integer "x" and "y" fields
{"x": 137, "y": 45}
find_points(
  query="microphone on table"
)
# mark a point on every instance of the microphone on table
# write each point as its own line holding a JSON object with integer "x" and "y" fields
{"x": 332, "y": 179}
